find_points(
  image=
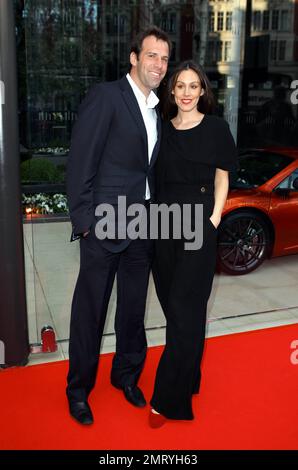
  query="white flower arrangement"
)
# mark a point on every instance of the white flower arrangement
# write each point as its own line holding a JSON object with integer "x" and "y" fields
{"x": 52, "y": 150}
{"x": 42, "y": 203}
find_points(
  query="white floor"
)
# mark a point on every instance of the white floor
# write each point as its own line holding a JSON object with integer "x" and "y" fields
{"x": 267, "y": 297}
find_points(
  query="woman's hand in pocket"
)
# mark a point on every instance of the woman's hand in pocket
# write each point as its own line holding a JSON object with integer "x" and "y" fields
{"x": 215, "y": 220}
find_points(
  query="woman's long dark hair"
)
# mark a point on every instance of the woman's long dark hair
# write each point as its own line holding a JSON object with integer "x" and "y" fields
{"x": 206, "y": 102}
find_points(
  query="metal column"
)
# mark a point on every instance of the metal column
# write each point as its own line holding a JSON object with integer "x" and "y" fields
{"x": 14, "y": 343}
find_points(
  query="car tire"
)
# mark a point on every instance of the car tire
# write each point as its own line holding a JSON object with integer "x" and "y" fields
{"x": 243, "y": 243}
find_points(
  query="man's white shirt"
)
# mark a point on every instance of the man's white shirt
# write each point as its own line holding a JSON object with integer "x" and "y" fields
{"x": 147, "y": 106}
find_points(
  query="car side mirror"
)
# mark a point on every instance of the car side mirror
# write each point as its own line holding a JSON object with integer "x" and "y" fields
{"x": 282, "y": 192}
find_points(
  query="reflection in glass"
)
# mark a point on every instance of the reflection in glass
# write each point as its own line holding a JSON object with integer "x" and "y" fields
{"x": 247, "y": 49}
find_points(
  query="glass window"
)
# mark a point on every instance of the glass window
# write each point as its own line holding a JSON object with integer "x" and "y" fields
{"x": 219, "y": 45}
{"x": 211, "y": 21}
{"x": 228, "y": 47}
{"x": 282, "y": 50}
{"x": 275, "y": 19}
{"x": 164, "y": 21}
{"x": 273, "y": 50}
{"x": 172, "y": 28}
{"x": 211, "y": 58}
{"x": 256, "y": 168}
{"x": 220, "y": 21}
{"x": 229, "y": 17}
{"x": 256, "y": 20}
{"x": 265, "y": 20}
{"x": 284, "y": 26}
{"x": 108, "y": 25}
{"x": 115, "y": 24}
{"x": 287, "y": 183}
{"x": 122, "y": 24}
{"x": 64, "y": 49}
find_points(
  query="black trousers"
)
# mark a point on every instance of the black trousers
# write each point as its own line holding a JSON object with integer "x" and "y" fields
{"x": 98, "y": 268}
{"x": 183, "y": 281}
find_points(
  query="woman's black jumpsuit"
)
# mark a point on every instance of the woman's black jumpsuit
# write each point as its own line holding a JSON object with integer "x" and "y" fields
{"x": 183, "y": 278}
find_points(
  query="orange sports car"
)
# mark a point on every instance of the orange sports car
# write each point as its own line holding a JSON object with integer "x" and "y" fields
{"x": 260, "y": 218}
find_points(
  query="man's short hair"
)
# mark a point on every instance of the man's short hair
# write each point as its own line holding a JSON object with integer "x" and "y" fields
{"x": 158, "y": 33}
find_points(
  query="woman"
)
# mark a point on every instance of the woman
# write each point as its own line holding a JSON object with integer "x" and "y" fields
{"x": 197, "y": 152}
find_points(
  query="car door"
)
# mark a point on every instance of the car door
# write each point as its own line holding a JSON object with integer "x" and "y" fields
{"x": 284, "y": 215}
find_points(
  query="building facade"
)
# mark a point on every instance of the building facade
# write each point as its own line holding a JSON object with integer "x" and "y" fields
{"x": 249, "y": 49}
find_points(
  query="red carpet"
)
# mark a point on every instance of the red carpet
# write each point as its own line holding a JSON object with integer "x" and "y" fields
{"x": 248, "y": 400}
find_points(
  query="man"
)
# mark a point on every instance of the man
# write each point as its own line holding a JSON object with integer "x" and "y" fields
{"x": 113, "y": 151}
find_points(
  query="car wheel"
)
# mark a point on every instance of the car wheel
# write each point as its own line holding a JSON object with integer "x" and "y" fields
{"x": 243, "y": 243}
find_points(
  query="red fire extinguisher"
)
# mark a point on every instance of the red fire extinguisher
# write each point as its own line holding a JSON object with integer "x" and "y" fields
{"x": 48, "y": 340}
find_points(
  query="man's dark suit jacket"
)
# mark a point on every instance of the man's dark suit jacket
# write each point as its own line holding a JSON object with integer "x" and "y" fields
{"x": 108, "y": 155}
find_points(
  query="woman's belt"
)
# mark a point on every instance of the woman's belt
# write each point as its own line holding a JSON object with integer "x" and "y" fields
{"x": 199, "y": 188}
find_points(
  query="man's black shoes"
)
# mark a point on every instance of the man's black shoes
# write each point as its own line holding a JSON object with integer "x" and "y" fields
{"x": 81, "y": 412}
{"x": 134, "y": 395}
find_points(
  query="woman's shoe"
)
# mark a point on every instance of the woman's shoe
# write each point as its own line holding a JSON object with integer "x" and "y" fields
{"x": 156, "y": 420}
